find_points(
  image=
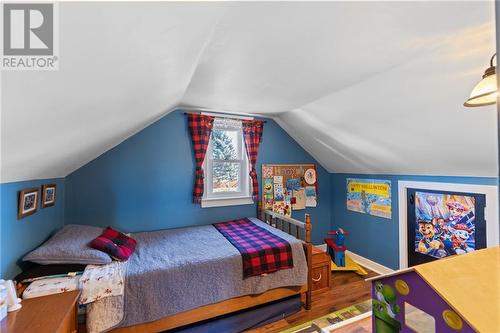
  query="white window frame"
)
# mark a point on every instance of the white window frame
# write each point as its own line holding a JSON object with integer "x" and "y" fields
{"x": 218, "y": 199}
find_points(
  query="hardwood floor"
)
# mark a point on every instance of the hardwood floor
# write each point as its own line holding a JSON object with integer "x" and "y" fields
{"x": 347, "y": 288}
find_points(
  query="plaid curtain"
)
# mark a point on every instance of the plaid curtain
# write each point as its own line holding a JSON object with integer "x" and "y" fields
{"x": 200, "y": 127}
{"x": 252, "y": 133}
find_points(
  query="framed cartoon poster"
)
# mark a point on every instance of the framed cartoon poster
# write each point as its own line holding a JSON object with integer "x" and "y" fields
{"x": 369, "y": 196}
{"x": 444, "y": 223}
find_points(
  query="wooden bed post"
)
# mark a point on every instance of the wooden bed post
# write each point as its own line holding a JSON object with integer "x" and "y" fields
{"x": 309, "y": 260}
{"x": 259, "y": 211}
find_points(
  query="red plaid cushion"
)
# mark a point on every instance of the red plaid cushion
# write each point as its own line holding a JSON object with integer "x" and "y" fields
{"x": 114, "y": 243}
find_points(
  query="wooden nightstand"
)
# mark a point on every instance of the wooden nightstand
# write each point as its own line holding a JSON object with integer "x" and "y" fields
{"x": 321, "y": 272}
{"x": 47, "y": 314}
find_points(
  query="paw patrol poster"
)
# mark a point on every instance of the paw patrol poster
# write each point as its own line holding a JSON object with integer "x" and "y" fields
{"x": 369, "y": 196}
{"x": 445, "y": 224}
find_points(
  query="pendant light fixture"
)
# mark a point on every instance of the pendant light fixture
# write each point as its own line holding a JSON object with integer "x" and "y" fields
{"x": 485, "y": 92}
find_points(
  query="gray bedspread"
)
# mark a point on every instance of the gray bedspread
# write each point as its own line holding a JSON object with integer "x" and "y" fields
{"x": 181, "y": 269}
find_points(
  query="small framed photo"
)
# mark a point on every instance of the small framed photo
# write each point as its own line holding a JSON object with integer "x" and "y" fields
{"x": 48, "y": 195}
{"x": 27, "y": 202}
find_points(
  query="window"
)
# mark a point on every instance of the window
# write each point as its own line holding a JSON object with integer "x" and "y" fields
{"x": 226, "y": 166}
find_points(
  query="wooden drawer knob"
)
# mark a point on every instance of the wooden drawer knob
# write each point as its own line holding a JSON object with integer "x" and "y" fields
{"x": 317, "y": 279}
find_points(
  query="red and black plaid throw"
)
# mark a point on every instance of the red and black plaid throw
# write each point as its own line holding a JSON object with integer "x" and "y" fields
{"x": 200, "y": 127}
{"x": 252, "y": 133}
{"x": 261, "y": 250}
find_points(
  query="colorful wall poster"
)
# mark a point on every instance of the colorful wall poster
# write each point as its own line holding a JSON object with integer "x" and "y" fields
{"x": 445, "y": 224}
{"x": 311, "y": 196}
{"x": 268, "y": 201}
{"x": 283, "y": 208}
{"x": 287, "y": 210}
{"x": 369, "y": 196}
{"x": 292, "y": 184}
{"x": 278, "y": 207}
{"x": 267, "y": 172}
{"x": 278, "y": 192}
{"x": 268, "y": 186}
{"x": 300, "y": 199}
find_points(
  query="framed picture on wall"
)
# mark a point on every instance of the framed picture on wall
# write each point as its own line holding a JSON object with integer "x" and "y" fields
{"x": 27, "y": 202}
{"x": 444, "y": 223}
{"x": 48, "y": 195}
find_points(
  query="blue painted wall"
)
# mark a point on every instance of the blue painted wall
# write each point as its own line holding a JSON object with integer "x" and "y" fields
{"x": 145, "y": 183}
{"x": 21, "y": 236}
{"x": 374, "y": 237}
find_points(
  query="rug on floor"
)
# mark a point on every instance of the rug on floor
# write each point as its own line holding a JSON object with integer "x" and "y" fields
{"x": 324, "y": 323}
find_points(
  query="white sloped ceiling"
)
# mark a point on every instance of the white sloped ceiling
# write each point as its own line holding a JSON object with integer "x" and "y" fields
{"x": 411, "y": 121}
{"x": 122, "y": 66}
{"x": 365, "y": 87}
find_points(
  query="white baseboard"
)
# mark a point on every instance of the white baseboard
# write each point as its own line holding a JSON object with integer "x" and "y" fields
{"x": 371, "y": 265}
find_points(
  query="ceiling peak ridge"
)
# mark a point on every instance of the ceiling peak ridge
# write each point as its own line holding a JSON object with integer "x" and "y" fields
{"x": 206, "y": 43}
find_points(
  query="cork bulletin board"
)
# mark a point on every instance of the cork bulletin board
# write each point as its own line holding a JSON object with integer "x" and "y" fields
{"x": 287, "y": 187}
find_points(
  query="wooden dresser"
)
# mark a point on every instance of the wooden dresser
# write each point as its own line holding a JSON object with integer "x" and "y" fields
{"x": 321, "y": 272}
{"x": 47, "y": 314}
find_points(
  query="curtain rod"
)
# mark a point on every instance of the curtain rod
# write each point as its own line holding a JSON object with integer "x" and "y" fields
{"x": 222, "y": 115}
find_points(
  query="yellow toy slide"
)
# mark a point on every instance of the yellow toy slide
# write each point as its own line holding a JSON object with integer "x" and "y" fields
{"x": 350, "y": 265}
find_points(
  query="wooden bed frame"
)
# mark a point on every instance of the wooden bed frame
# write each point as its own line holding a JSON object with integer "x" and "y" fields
{"x": 298, "y": 229}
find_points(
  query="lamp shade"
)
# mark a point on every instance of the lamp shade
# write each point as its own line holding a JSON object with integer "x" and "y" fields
{"x": 485, "y": 92}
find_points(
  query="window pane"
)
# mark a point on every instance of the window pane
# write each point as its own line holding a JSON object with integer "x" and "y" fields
{"x": 225, "y": 145}
{"x": 226, "y": 176}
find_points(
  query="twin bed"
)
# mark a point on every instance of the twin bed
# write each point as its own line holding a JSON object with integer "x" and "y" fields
{"x": 181, "y": 276}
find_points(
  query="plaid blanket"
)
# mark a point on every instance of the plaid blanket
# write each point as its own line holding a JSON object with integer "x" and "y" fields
{"x": 261, "y": 250}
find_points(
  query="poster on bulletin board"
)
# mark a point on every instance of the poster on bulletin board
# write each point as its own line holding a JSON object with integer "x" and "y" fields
{"x": 287, "y": 187}
{"x": 369, "y": 196}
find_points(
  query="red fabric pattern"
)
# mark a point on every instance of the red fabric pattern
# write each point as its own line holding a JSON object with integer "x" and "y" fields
{"x": 200, "y": 127}
{"x": 252, "y": 133}
{"x": 114, "y": 243}
{"x": 261, "y": 250}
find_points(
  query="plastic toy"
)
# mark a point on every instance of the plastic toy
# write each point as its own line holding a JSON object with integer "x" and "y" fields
{"x": 336, "y": 247}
